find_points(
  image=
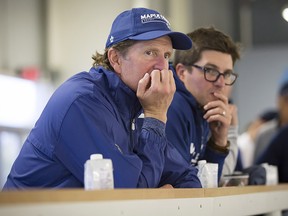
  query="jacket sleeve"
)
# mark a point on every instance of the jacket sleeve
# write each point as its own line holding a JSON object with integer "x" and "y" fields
{"x": 231, "y": 159}
{"x": 178, "y": 172}
{"x": 89, "y": 129}
{"x": 214, "y": 156}
{"x": 177, "y": 130}
{"x": 162, "y": 164}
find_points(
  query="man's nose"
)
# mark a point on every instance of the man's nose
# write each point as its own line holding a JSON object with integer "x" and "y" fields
{"x": 161, "y": 63}
{"x": 220, "y": 80}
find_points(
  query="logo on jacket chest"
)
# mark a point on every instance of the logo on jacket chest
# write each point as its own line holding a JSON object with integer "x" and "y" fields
{"x": 194, "y": 155}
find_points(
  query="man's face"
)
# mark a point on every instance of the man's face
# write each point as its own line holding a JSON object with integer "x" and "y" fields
{"x": 144, "y": 57}
{"x": 202, "y": 89}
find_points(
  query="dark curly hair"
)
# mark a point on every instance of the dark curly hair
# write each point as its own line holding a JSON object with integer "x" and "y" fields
{"x": 207, "y": 39}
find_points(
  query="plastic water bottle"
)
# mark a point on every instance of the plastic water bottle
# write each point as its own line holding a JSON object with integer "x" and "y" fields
{"x": 271, "y": 174}
{"x": 98, "y": 173}
{"x": 208, "y": 174}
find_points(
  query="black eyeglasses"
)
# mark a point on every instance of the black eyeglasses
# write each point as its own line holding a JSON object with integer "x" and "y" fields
{"x": 212, "y": 75}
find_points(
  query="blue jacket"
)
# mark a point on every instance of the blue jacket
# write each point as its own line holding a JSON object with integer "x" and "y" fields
{"x": 94, "y": 112}
{"x": 188, "y": 131}
{"x": 276, "y": 154}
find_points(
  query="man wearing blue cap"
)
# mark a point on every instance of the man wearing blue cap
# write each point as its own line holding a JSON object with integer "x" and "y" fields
{"x": 95, "y": 112}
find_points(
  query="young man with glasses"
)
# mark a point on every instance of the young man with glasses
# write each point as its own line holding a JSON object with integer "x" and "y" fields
{"x": 200, "y": 115}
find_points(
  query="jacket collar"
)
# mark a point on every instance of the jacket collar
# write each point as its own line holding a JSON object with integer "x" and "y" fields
{"x": 125, "y": 99}
{"x": 181, "y": 89}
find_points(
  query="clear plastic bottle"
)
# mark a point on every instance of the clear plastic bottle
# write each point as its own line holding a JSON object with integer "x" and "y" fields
{"x": 98, "y": 173}
{"x": 208, "y": 174}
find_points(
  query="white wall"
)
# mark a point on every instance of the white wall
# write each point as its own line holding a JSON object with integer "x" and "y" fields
{"x": 2, "y": 18}
{"x": 20, "y": 40}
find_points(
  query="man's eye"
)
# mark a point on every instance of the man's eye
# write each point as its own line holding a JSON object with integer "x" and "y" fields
{"x": 227, "y": 75}
{"x": 149, "y": 53}
{"x": 208, "y": 70}
{"x": 167, "y": 56}
{"x": 211, "y": 71}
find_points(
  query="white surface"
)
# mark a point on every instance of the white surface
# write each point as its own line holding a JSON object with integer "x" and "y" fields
{"x": 244, "y": 204}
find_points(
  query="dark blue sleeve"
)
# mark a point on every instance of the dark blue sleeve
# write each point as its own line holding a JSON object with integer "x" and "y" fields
{"x": 178, "y": 171}
{"x": 150, "y": 148}
{"x": 214, "y": 156}
{"x": 159, "y": 156}
{"x": 177, "y": 129}
{"x": 90, "y": 128}
{"x": 276, "y": 154}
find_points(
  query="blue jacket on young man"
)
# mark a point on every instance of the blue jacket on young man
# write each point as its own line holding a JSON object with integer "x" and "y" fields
{"x": 188, "y": 131}
{"x": 94, "y": 112}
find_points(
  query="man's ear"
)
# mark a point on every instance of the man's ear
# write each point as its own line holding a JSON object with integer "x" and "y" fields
{"x": 180, "y": 71}
{"x": 114, "y": 59}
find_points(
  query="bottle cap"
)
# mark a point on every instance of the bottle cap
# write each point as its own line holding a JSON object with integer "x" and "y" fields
{"x": 96, "y": 156}
{"x": 202, "y": 162}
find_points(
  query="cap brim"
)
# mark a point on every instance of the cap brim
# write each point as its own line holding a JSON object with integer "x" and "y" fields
{"x": 179, "y": 40}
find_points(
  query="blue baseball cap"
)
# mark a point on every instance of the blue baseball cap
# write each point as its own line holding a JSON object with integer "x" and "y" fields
{"x": 145, "y": 24}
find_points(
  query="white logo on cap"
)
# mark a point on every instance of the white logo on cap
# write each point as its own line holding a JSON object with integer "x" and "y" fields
{"x": 154, "y": 18}
{"x": 111, "y": 39}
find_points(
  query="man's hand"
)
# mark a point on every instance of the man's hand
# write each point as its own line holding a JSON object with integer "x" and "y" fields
{"x": 218, "y": 114}
{"x": 234, "y": 114}
{"x": 167, "y": 186}
{"x": 155, "y": 92}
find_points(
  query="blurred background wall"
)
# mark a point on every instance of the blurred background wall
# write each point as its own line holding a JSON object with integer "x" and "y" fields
{"x": 43, "y": 42}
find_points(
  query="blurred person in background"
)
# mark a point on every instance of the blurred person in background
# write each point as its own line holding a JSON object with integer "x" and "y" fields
{"x": 276, "y": 154}
{"x": 274, "y": 148}
{"x": 94, "y": 112}
{"x": 246, "y": 140}
{"x": 269, "y": 129}
{"x": 200, "y": 116}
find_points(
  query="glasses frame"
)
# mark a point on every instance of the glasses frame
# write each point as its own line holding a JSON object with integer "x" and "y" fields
{"x": 204, "y": 69}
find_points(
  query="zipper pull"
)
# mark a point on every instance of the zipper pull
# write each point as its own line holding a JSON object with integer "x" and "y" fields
{"x": 133, "y": 124}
